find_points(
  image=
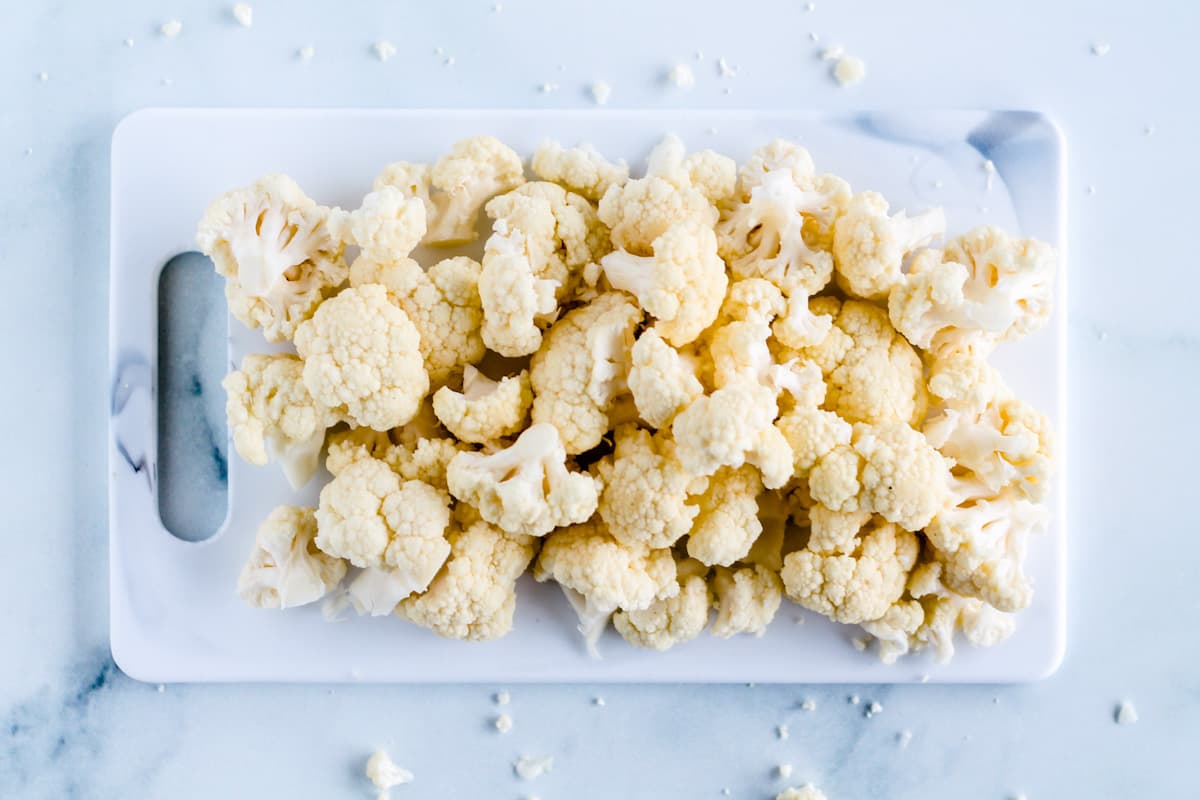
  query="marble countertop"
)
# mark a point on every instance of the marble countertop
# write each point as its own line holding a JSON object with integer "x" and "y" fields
{"x": 71, "y": 725}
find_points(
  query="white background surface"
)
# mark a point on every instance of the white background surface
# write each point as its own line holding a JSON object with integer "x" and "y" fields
{"x": 71, "y": 726}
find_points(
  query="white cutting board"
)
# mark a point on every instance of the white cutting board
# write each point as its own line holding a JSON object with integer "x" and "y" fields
{"x": 175, "y": 615}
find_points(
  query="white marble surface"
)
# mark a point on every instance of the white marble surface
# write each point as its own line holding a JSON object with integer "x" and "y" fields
{"x": 72, "y": 726}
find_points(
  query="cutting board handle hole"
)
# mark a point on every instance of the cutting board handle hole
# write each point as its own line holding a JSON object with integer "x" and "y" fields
{"x": 193, "y": 443}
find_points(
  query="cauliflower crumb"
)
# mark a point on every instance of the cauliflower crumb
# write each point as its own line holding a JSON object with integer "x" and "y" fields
{"x": 601, "y": 91}
{"x": 43, "y": 76}
{"x": 129, "y": 42}
{"x": 833, "y": 52}
{"x": 1126, "y": 713}
{"x": 547, "y": 88}
{"x": 384, "y": 49}
{"x": 805, "y": 792}
{"x": 306, "y": 53}
{"x": 849, "y": 70}
{"x": 682, "y": 76}
{"x": 784, "y": 771}
{"x": 872, "y": 710}
{"x": 782, "y": 732}
{"x": 1101, "y": 49}
{"x": 243, "y": 14}
{"x": 725, "y": 69}
{"x": 810, "y": 7}
{"x": 504, "y": 723}
{"x": 502, "y": 698}
{"x": 171, "y": 28}
{"x": 903, "y": 738}
{"x": 598, "y": 701}
{"x": 528, "y": 768}
{"x": 808, "y": 704}
{"x": 989, "y": 171}
{"x": 853, "y": 699}
{"x": 385, "y": 773}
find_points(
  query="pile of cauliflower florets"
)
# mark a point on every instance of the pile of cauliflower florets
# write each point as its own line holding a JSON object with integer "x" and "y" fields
{"x": 710, "y": 387}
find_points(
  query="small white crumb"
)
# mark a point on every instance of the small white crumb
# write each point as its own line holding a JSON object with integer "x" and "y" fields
{"x": 530, "y": 767}
{"x": 129, "y": 42}
{"x": 497, "y": 8}
{"x": 384, "y": 49}
{"x": 725, "y": 792}
{"x": 982, "y": 209}
{"x": 244, "y": 14}
{"x": 171, "y": 28}
{"x": 1126, "y": 714}
{"x": 711, "y": 131}
{"x": 860, "y": 643}
{"x": 726, "y": 70}
{"x": 812, "y": 36}
{"x": 43, "y": 76}
{"x": 873, "y": 709}
{"x": 833, "y": 52}
{"x": 598, "y": 701}
{"x": 782, "y": 731}
{"x": 439, "y": 51}
{"x": 504, "y": 723}
{"x": 306, "y": 54}
{"x": 939, "y": 183}
{"x": 562, "y": 67}
{"x": 1101, "y": 49}
{"x": 989, "y": 170}
{"x": 1149, "y": 130}
{"x": 923, "y": 679}
{"x": 385, "y": 773}
{"x": 167, "y": 81}
{"x": 996, "y": 700}
{"x": 849, "y": 71}
{"x": 699, "y": 55}
{"x": 29, "y": 152}
{"x": 727, "y": 90}
{"x": 751, "y": 685}
{"x": 682, "y": 76}
{"x": 601, "y": 91}
{"x": 502, "y": 698}
{"x": 810, "y": 6}
{"x": 808, "y": 704}
{"x": 784, "y": 771}
{"x": 1100, "y": 335}
{"x": 547, "y": 88}
{"x": 161, "y": 687}
{"x": 1018, "y": 796}
{"x": 903, "y": 738}
{"x": 853, "y": 700}
{"x": 449, "y": 62}
{"x": 1091, "y": 189}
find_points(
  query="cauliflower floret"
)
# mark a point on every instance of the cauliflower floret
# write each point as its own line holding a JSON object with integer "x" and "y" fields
{"x": 834, "y": 531}
{"x": 872, "y": 373}
{"x": 869, "y": 246}
{"x": 475, "y": 593}
{"x": 355, "y": 444}
{"x": 581, "y": 368}
{"x": 286, "y": 569}
{"x": 474, "y": 171}
{"x": 485, "y": 410}
{"x": 681, "y": 285}
{"x": 442, "y": 303}
{"x": 813, "y": 434}
{"x": 740, "y": 352}
{"x": 673, "y": 620}
{"x": 395, "y": 530}
{"x": 645, "y": 495}
{"x": 731, "y": 427}
{"x": 746, "y": 600}
{"x": 580, "y": 169}
{"x": 388, "y": 225}
{"x": 411, "y": 179}
{"x": 362, "y": 358}
{"x": 709, "y": 172}
{"x": 728, "y": 522}
{"x": 857, "y": 586}
{"x": 272, "y": 416}
{"x": 752, "y": 300}
{"x": 429, "y": 460}
{"x": 525, "y": 488}
{"x": 641, "y": 210}
{"x": 662, "y": 381}
{"x": 982, "y": 541}
{"x": 277, "y": 251}
{"x": 960, "y": 377}
{"x": 890, "y": 470}
{"x": 598, "y": 574}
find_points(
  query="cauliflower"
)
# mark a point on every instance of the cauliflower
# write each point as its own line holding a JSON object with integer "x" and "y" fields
{"x": 525, "y": 488}
{"x": 890, "y": 470}
{"x": 805, "y": 792}
{"x": 709, "y": 172}
{"x": 485, "y": 410}
{"x": 286, "y": 569}
{"x": 580, "y": 169}
{"x": 993, "y": 288}
{"x": 746, "y": 600}
{"x": 752, "y": 300}
{"x": 411, "y": 179}
{"x": 834, "y": 531}
{"x": 581, "y": 370}
{"x": 856, "y": 586}
{"x": 661, "y": 380}
{"x": 645, "y": 496}
{"x": 639, "y": 211}
{"x": 442, "y": 302}
{"x": 474, "y": 594}
{"x": 740, "y": 352}
{"x": 812, "y": 434}
{"x": 388, "y": 225}
{"x": 344, "y": 447}
{"x": 869, "y": 246}
{"x": 682, "y": 285}
{"x": 395, "y": 530}
{"x": 673, "y": 620}
{"x": 273, "y": 416}
{"x": 598, "y": 574}
{"x": 362, "y": 358}
{"x": 727, "y": 524}
{"x": 731, "y": 427}
{"x": 277, "y": 251}
{"x": 474, "y": 171}
{"x": 872, "y": 373}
